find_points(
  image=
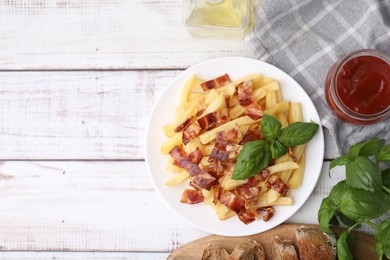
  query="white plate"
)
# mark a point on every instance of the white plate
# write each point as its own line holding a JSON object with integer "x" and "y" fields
{"x": 163, "y": 112}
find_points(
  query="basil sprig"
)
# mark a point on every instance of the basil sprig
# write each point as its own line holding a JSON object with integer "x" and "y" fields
{"x": 362, "y": 197}
{"x": 256, "y": 155}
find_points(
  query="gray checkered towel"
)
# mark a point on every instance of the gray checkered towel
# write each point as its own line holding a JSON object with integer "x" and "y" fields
{"x": 305, "y": 37}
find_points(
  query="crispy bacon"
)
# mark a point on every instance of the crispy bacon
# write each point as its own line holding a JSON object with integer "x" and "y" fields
{"x": 270, "y": 213}
{"x": 252, "y": 109}
{"x": 227, "y": 103}
{"x": 222, "y": 139}
{"x": 190, "y": 132}
{"x": 218, "y": 154}
{"x": 204, "y": 180}
{"x": 232, "y": 201}
{"x": 183, "y": 161}
{"x": 247, "y": 192}
{"x": 215, "y": 83}
{"x": 209, "y": 121}
{"x": 192, "y": 196}
{"x": 183, "y": 125}
{"x": 247, "y": 217}
{"x": 278, "y": 185}
{"x": 263, "y": 174}
{"x": 196, "y": 155}
{"x": 201, "y": 108}
{"x": 252, "y": 134}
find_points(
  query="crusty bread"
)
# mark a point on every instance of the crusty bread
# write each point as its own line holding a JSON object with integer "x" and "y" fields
{"x": 250, "y": 250}
{"x": 214, "y": 253}
{"x": 314, "y": 244}
{"x": 283, "y": 249}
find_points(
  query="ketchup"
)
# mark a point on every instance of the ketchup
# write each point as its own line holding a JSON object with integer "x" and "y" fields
{"x": 358, "y": 87}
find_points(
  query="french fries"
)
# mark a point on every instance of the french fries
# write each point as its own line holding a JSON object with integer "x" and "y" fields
{"x": 196, "y": 103}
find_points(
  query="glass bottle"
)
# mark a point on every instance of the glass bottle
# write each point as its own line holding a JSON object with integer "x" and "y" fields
{"x": 231, "y": 18}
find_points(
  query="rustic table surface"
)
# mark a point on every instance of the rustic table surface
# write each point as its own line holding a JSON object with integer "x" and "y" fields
{"x": 77, "y": 82}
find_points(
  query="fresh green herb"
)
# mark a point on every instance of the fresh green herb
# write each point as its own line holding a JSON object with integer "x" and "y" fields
{"x": 382, "y": 236}
{"x": 384, "y": 154}
{"x": 277, "y": 149}
{"x": 357, "y": 177}
{"x": 345, "y": 244}
{"x": 297, "y": 133}
{"x": 256, "y": 155}
{"x": 361, "y": 198}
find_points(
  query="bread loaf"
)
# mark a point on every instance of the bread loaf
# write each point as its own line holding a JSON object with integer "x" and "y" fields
{"x": 283, "y": 249}
{"x": 314, "y": 244}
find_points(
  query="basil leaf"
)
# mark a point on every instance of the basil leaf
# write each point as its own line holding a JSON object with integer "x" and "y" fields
{"x": 337, "y": 192}
{"x": 378, "y": 250}
{"x": 383, "y": 154}
{"x": 277, "y": 149}
{"x": 386, "y": 178}
{"x": 339, "y": 161}
{"x": 345, "y": 244}
{"x": 334, "y": 221}
{"x": 253, "y": 157}
{"x": 297, "y": 133}
{"x": 382, "y": 235}
{"x": 362, "y": 173}
{"x": 345, "y": 220}
{"x": 270, "y": 127}
{"x": 366, "y": 148}
{"x": 325, "y": 214}
{"x": 361, "y": 205}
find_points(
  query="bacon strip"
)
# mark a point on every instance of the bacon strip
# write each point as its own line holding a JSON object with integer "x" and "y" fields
{"x": 278, "y": 185}
{"x": 183, "y": 125}
{"x": 190, "y": 132}
{"x": 232, "y": 201}
{"x": 252, "y": 109}
{"x": 252, "y": 134}
{"x": 218, "y": 154}
{"x": 192, "y": 196}
{"x": 215, "y": 83}
{"x": 209, "y": 121}
{"x": 196, "y": 155}
{"x": 222, "y": 139}
{"x": 263, "y": 174}
{"x": 270, "y": 213}
{"x": 248, "y": 193}
{"x": 204, "y": 180}
{"x": 201, "y": 108}
{"x": 246, "y": 217}
{"x": 183, "y": 161}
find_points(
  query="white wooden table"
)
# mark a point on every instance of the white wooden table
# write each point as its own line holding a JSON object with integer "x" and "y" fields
{"x": 77, "y": 81}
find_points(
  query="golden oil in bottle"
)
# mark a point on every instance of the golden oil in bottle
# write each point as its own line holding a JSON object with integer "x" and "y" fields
{"x": 231, "y": 18}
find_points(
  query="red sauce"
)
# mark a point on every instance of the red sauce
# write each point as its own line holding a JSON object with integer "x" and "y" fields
{"x": 358, "y": 87}
{"x": 363, "y": 85}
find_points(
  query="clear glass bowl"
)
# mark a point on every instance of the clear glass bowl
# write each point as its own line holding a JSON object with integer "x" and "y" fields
{"x": 210, "y": 18}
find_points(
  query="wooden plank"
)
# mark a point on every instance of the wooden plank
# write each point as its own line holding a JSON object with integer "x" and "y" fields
{"x": 100, "y": 206}
{"x": 76, "y": 115}
{"x": 82, "y": 255}
{"x": 94, "y": 34}
{"x": 79, "y": 115}
{"x": 86, "y": 206}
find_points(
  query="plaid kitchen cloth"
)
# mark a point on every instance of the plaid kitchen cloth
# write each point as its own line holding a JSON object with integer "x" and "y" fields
{"x": 306, "y": 37}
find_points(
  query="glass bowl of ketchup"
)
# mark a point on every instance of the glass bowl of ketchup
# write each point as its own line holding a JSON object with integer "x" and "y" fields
{"x": 357, "y": 87}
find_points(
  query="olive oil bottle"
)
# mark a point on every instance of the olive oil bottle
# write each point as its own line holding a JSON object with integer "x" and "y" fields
{"x": 231, "y": 18}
